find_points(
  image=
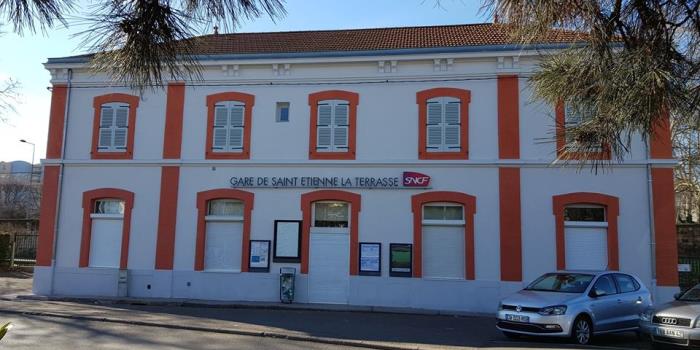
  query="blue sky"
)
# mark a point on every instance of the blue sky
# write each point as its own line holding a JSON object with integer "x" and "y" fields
{"x": 24, "y": 55}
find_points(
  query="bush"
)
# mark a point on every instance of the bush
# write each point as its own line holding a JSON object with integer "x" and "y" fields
{"x": 5, "y": 252}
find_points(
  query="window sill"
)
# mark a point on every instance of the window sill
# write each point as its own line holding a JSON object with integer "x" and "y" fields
{"x": 227, "y": 155}
{"x": 349, "y": 155}
{"x": 111, "y": 155}
{"x": 461, "y": 155}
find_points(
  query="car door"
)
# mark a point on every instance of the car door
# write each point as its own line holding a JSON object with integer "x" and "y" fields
{"x": 604, "y": 307}
{"x": 630, "y": 300}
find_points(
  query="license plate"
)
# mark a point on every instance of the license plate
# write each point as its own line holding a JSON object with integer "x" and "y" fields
{"x": 672, "y": 333}
{"x": 517, "y": 318}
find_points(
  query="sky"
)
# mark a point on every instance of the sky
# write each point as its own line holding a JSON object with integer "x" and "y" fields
{"x": 24, "y": 55}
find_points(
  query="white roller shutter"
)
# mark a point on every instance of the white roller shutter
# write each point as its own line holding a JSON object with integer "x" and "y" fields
{"x": 106, "y": 240}
{"x": 329, "y": 261}
{"x": 223, "y": 246}
{"x": 586, "y": 246}
{"x": 443, "y": 251}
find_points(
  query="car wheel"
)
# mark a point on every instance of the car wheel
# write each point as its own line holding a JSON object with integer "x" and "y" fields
{"x": 511, "y": 335}
{"x": 582, "y": 331}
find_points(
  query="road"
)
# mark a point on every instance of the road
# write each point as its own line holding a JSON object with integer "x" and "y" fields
{"x": 52, "y": 333}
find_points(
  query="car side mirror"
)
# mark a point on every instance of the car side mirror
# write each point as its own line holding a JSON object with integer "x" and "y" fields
{"x": 595, "y": 293}
{"x": 677, "y": 296}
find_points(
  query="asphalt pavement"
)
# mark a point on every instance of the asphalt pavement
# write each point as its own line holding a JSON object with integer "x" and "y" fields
{"x": 134, "y": 324}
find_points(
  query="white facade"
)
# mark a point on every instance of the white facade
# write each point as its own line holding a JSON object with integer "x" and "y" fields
{"x": 387, "y": 144}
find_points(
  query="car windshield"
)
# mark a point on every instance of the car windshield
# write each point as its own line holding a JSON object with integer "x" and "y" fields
{"x": 562, "y": 283}
{"x": 693, "y": 294}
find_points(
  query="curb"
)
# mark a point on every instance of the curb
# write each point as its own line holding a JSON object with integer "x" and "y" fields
{"x": 194, "y": 303}
{"x": 276, "y": 335}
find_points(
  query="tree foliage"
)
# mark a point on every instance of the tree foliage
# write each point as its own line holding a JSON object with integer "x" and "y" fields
{"x": 140, "y": 43}
{"x": 635, "y": 62}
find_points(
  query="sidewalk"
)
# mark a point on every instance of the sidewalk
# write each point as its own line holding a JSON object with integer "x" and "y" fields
{"x": 339, "y": 325}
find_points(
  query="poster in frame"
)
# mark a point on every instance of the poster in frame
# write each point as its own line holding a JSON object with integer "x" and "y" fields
{"x": 400, "y": 260}
{"x": 287, "y": 247}
{"x": 370, "y": 259}
{"x": 259, "y": 257}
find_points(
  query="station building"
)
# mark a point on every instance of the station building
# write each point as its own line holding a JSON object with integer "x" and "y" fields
{"x": 398, "y": 167}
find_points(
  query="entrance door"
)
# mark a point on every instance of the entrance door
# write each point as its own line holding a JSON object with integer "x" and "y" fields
{"x": 329, "y": 253}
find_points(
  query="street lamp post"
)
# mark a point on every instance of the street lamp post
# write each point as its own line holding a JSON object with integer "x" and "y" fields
{"x": 31, "y": 173}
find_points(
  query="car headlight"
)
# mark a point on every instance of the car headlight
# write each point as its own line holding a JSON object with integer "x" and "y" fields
{"x": 553, "y": 310}
{"x": 647, "y": 315}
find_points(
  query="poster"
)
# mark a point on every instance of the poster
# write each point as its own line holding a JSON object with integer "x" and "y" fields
{"x": 370, "y": 259}
{"x": 259, "y": 256}
{"x": 287, "y": 241}
{"x": 400, "y": 256}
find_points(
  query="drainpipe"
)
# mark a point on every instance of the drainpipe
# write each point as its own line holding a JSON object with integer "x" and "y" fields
{"x": 650, "y": 196}
{"x": 60, "y": 181}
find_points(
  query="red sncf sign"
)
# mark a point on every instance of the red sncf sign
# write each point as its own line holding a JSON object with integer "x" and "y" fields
{"x": 413, "y": 179}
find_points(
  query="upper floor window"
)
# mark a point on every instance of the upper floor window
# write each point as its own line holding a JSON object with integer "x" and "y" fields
{"x": 443, "y": 127}
{"x": 113, "y": 126}
{"x": 229, "y": 121}
{"x": 443, "y": 117}
{"x": 567, "y": 118}
{"x": 333, "y": 124}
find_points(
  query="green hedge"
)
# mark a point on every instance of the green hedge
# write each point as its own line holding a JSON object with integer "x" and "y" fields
{"x": 4, "y": 249}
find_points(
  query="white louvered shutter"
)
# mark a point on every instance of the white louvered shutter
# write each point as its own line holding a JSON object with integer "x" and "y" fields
{"x": 434, "y": 127}
{"x": 235, "y": 140}
{"x": 340, "y": 127}
{"x": 121, "y": 127}
{"x": 106, "y": 122}
{"x": 220, "y": 127}
{"x": 452, "y": 125}
{"x": 323, "y": 127}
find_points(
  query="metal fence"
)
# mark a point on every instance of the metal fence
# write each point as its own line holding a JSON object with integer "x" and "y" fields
{"x": 692, "y": 277}
{"x": 24, "y": 250}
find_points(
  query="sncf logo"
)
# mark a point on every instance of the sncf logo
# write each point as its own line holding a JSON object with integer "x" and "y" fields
{"x": 413, "y": 179}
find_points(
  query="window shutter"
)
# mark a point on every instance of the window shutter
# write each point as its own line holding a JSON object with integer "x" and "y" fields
{"x": 434, "y": 136}
{"x": 340, "y": 136}
{"x": 235, "y": 140}
{"x": 237, "y": 115}
{"x": 434, "y": 113}
{"x": 341, "y": 115}
{"x": 452, "y": 124}
{"x": 220, "y": 116}
{"x": 107, "y": 117}
{"x": 323, "y": 139}
{"x": 105, "y": 138}
{"x": 122, "y": 116}
{"x": 120, "y": 138}
{"x": 324, "y": 115}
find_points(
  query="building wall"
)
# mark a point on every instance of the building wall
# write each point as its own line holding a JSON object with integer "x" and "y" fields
{"x": 387, "y": 144}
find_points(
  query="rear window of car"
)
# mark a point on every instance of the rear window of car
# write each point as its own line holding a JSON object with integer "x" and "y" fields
{"x": 626, "y": 283}
{"x": 561, "y": 283}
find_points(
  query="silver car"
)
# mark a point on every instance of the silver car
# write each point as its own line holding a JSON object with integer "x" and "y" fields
{"x": 576, "y": 304}
{"x": 676, "y": 322}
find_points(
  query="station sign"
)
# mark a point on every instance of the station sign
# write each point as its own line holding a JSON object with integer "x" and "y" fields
{"x": 408, "y": 180}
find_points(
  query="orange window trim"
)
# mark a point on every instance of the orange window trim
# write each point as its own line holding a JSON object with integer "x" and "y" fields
{"x": 422, "y": 98}
{"x": 307, "y": 200}
{"x": 212, "y": 100}
{"x": 89, "y": 199}
{"x": 203, "y": 199}
{"x": 353, "y": 100}
{"x": 612, "y": 210}
{"x": 560, "y": 120}
{"x": 98, "y": 101}
{"x": 468, "y": 202}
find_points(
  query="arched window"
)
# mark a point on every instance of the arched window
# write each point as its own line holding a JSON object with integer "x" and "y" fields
{"x": 229, "y": 119}
{"x": 113, "y": 126}
{"x": 106, "y": 228}
{"x": 443, "y": 118}
{"x": 333, "y": 124}
{"x": 586, "y": 231}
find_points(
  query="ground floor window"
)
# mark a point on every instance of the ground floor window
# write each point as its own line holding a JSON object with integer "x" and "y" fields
{"x": 107, "y": 223}
{"x": 224, "y": 234}
{"x": 443, "y": 240}
{"x": 586, "y": 237}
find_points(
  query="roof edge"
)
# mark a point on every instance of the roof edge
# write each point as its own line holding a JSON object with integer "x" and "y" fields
{"x": 321, "y": 54}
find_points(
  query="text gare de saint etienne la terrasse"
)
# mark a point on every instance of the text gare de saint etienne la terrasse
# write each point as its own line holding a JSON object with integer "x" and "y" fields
{"x": 408, "y": 180}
